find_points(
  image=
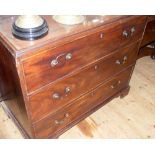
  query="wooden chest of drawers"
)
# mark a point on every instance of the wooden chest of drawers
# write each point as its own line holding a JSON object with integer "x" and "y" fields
{"x": 52, "y": 83}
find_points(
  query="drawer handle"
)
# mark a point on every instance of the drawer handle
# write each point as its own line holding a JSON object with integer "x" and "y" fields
{"x": 55, "y": 61}
{"x": 67, "y": 90}
{"x": 119, "y": 62}
{"x": 125, "y": 34}
{"x": 133, "y": 31}
{"x": 101, "y": 35}
{"x": 56, "y": 96}
{"x": 59, "y": 122}
{"x": 69, "y": 56}
{"x": 96, "y": 67}
{"x": 116, "y": 84}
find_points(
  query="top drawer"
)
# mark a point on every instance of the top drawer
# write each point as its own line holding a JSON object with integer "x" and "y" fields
{"x": 55, "y": 63}
{"x": 132, "y": 30}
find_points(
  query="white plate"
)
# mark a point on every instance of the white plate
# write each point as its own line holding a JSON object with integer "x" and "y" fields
{"x": 69, "y": 19}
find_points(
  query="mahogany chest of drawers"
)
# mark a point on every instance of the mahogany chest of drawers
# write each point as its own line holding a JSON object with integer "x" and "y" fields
{"x": 51, "y": 84}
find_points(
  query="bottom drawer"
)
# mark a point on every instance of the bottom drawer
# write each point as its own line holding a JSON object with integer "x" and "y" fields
{"x": 55, "y": 122}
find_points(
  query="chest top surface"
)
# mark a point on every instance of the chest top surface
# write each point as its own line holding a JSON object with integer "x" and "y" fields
{"x": 57, "y": 32}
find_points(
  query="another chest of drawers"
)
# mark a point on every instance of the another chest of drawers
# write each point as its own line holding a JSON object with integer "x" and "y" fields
{"x": 62, "y": 84}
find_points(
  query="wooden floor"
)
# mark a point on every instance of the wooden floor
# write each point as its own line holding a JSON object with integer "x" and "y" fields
{"x": 130, "y": 117}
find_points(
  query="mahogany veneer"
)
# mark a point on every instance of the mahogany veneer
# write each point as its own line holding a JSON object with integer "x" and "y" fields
{"x": 52, "y": 83}
{"x": 148, "y": 38}
{"x": 80, "y": 83}
{"x": 55, "y": 122}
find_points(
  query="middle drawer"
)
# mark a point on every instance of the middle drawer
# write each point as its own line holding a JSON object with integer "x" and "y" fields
{"x": 62, "y": 92}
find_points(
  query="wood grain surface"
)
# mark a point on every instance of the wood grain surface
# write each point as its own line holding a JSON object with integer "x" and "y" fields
{"x": 130, "y": 117}
{"x": 80, "y": 83}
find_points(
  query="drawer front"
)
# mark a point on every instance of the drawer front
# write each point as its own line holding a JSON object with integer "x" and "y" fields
{"x": 68, "y": 58}
{"x": 52, "y": 64}
{"x": 62, "y": 92}
{"x": 133, "y": 30}
{"x": 56, "y": 122}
